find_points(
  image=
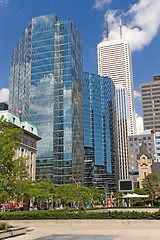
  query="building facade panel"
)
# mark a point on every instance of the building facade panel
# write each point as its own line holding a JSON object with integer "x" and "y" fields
{"x": 122, "y": 122}
{"x": 51, "y": 96}
{"x": 114, "y": 61}
{"x": 150, "y": 95}
{"x": 134, "y": 143}
{"x": 100, "y": 132}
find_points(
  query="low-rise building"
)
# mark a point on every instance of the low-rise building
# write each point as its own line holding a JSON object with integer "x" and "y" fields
{"x": 134, "y": 142}
{"x": 27, "y": 146}
{"x": 151, "y": 140}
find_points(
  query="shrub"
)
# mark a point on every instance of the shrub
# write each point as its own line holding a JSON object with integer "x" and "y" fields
{"x": 4, "y": 226}
{"x": 66, "y": 214}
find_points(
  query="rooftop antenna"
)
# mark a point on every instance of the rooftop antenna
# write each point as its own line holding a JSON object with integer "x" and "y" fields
{"x": 120, "y": 25}
{"x": 107, "y": 30}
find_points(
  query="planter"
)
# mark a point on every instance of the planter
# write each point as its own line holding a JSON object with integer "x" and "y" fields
{"x": 11, "y": 232}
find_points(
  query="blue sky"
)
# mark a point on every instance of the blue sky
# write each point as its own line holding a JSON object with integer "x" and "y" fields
{"x": 141, "y": 26}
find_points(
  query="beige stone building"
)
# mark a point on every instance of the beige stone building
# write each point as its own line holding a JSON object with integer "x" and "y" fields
{"x": 27, "y": 146}
{"x": 144, "y": 162}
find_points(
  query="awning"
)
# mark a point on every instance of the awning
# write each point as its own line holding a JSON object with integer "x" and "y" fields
{"x": 134, "y": 195}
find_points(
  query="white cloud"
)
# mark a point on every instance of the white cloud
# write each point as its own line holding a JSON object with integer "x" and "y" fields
{"x": 139, "y": 124}
{"x": 99, "y": 4}
{"x": 141, "y": 23}
{"x": 4, "y": 95}
{"x": 3, "y": 3}
{"x": 137, "y": 95}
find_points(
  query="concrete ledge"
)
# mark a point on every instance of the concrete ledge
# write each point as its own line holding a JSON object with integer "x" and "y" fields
{"x": 11, "y": 232}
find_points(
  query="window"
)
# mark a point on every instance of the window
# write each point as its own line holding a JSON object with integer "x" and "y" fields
{"x": 140, "y": 144}
{"x": 22, "y": 152}
{"x": 132, "y": 167}
{"x": 131, "y": 144}
{"x": 132, "y": 156}
{"x": 149, "y": 143}
{"x": 136, "y": 150}
{"x": 135, "y": 139}
{"x": 145, "y": 86}
{"x": 146, "y": 90}
{"x": 132, "y": 161}
{"x": 144, "y": 138}
{"x": 140, "y": 139}
{"x": 131, "y": 139}
{"x": 131, "y": 149}
{"x": 136, "y": 144}
{"x": 150, "y": 149}
{"x": 149, "y": 138}
{"x": 147, "y": 106}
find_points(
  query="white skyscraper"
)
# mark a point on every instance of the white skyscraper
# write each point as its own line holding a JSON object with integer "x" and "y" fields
{"x": 114, "y": 60}
{"x": 122, "y": 124}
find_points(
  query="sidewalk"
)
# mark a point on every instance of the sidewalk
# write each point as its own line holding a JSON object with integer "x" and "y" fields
{"x": 119, "y": 229}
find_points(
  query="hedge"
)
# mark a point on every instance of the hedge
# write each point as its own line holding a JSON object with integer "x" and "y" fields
{"x": 58, "y": 214}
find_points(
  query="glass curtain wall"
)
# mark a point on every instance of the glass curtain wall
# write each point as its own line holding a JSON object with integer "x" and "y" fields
{"x": 46, "y": 86}
{"x": 20, "y": 76}
{"x": 100, "y": 132}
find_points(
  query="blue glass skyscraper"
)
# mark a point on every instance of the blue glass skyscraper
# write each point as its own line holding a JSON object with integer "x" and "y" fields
{"x": 46, "y": 85}
{"x": 100, "y": 132}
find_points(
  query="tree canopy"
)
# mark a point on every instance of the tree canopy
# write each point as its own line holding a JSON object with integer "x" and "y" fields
{"x": 151, "y": 184}
{"x": 11, "y": 171}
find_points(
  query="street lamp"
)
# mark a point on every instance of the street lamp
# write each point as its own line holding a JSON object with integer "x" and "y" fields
{"x": 77, "y": 183}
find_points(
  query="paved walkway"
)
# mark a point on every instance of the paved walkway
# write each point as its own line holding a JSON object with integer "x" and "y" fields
{"x": 104, "y": 229}
{"x": 78, "y": 237}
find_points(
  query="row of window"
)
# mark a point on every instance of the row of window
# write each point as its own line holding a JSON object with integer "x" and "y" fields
{"x": 135, "y": 139}
{"x": 136, "y": 150}
{"x": 152, "y": 85}
{"x": 153, "y": 89}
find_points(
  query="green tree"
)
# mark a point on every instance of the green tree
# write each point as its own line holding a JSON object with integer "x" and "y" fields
{"x": 41, "y": 191}
{"x": 84, "y": 195}
{"x": 67, "y": 194}
{"x": 10, "y": 170}
{"x": 151, "y": 184}
{"x": 97, "y": 195}
{"x": 139, "y": 201}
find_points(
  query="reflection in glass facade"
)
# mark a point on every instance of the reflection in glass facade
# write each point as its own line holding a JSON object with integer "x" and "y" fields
{"x": 46, "y": 85}
{"x": 100, "y": 132}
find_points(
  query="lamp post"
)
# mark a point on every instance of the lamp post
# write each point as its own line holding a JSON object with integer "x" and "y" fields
{"x": 105, "y": 188}
{"x": 77, "y": 183}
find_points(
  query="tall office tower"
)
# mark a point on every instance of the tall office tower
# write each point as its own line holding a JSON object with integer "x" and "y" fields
{"x": 46, "y": 88}
{"x": 100, "y": 132}
{"x": 114, "y": 61}
{"x": 150, "y": 95}
{"x": 122, "y": 121}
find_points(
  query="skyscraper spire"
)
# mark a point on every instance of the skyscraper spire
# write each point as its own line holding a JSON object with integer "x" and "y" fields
{"x": 120, "y": 25}
{"x": 107, "y": 30}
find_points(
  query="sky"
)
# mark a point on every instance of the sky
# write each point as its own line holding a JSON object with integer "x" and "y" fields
{"x": 140, "y": 26}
